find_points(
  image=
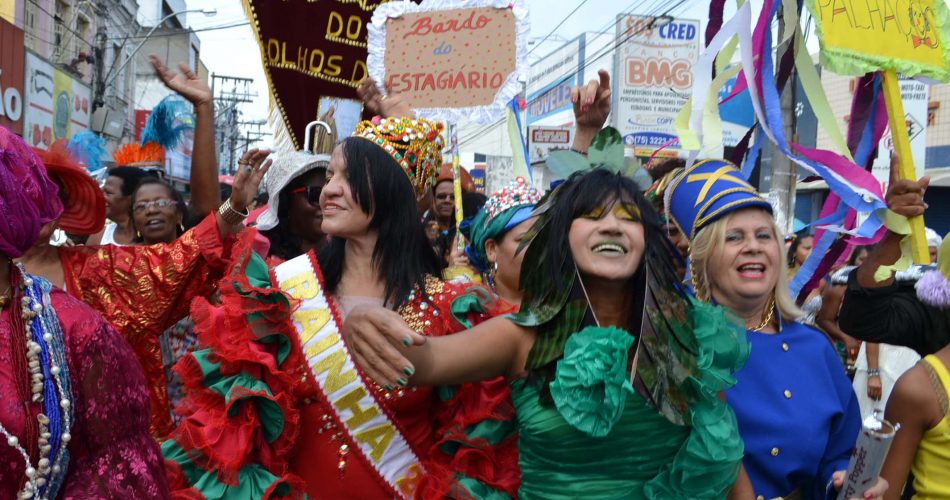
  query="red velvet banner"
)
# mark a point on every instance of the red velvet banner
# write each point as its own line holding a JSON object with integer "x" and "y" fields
{"x": 310, "y": 50}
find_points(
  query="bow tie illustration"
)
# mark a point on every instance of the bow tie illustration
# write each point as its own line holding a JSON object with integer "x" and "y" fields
{"x": 918, "y": 41}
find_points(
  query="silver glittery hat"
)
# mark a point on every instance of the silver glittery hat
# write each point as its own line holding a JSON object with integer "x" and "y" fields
{"x": 285, "y": 169}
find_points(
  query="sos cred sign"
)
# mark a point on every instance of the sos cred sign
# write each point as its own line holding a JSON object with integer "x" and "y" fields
{"x": 660, "y": 71}
{"x": 11, "y": 77}
{"x": 654, "y": 67}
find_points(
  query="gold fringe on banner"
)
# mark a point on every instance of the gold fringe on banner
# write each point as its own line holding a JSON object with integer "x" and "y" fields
{"x": 284, "y": 137}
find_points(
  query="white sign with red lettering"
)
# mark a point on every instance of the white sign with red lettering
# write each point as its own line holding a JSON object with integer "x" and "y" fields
{"x": 451, "y": 59}
{"x": 543, "y": 140}
{"x": 653, "y": 78}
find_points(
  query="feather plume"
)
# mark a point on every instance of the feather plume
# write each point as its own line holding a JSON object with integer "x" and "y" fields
{"x": 89, "y": 149}
{"x": 167, "y": 122}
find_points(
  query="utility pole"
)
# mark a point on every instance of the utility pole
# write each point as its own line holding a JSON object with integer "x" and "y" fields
{"x": 229, "y": 92}
{"x": 99, "y": 49}
{"x": 784, "y": 171}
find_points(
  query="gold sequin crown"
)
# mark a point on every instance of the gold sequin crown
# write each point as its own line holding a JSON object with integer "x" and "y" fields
{"x": 415, "y": 143}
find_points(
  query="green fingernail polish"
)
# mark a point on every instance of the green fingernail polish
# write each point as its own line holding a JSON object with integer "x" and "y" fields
{"x": 408, "y": 370}
{"x": 388, "y": 387}
{"x": 401, "y": 382}
{"x": 407, "y": 341}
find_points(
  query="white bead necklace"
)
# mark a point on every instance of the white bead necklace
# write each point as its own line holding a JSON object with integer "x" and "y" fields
{"x": 39, "y": 475}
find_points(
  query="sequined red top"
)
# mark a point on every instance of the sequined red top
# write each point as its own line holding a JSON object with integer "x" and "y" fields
{"x": 143, "y": 290}
{"x": 111, "y": 452}
{"x": 320, "y": 456}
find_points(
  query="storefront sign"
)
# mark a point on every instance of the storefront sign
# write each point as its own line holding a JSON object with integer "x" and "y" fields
{"x": 11, "y": 77}
{"x": 57, "y": 105}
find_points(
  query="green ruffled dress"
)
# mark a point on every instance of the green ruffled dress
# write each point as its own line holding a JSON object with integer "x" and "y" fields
{"x": 595, "y": 437}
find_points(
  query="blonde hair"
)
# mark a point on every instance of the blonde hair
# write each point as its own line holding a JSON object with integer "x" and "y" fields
{"x": 708, "y": 242}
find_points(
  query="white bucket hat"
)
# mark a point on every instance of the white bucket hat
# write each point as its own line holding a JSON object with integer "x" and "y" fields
{"x": 285, "y": 169}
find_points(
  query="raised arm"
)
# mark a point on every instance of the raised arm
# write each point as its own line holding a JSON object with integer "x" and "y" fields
{"x": 887, "y": 311}
{"x": 393, "y": 354}
{"x": 205, "y": 194}
{"x": 591, "y": 109}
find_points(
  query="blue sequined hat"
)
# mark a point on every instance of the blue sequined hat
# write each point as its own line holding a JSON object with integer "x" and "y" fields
{"x": 705, "y": 192}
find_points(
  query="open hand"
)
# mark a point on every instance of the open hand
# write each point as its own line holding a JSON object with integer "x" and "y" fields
{"x": 371, "y": 333}
{"x": 247, "y": 179}
{"x": 185, "y": 83}
{"x": 390, "y": 105}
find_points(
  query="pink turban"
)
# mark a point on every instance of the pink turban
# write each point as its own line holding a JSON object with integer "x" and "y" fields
{"x": 28, "y": 198}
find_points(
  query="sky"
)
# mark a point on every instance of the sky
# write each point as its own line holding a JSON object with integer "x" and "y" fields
{"x": 234, "y": 52}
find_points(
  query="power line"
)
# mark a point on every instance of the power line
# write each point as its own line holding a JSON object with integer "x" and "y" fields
{"x": 178, "y": 31}
{"x": 655, "y": 6}
{"x": 558, "y": 26}
{"x": 669, "y": 13}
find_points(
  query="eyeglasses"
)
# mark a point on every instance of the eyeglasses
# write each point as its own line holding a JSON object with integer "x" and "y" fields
{"x": 162, "y": 204}
{"x": 445, "y": 196}
{"x": 313, "y": 193}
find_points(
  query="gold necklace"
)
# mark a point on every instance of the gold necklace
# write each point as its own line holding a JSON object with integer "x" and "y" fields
{"x": 768, "y": 316}
{"x": 5, "y": 298}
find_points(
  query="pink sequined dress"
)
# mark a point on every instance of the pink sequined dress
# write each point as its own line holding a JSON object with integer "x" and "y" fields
{"x": 111, "y": 452}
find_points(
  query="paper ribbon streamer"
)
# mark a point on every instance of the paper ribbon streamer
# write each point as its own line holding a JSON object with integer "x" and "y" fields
{"x": 869, "y": 118}
{"x": 705, "y": 90}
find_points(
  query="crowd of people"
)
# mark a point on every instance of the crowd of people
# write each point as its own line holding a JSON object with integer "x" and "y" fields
{"x": 329, "y": 331}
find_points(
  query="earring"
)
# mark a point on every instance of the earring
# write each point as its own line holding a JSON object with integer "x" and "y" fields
{"x": 491, "y": 275}
{"x": 181, "y": 228}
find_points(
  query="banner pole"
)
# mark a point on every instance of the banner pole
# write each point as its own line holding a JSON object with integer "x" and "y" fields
{"x": 456, "y": 183}
{"x": 905, "y": 159}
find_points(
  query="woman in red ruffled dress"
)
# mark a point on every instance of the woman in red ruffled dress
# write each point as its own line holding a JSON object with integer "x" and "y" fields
{"x": 275, "y": 404}
{"x": 142, "y": 290}
{"x": 73, "y": 400}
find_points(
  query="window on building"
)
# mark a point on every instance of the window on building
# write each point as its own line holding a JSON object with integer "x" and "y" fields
{"x": 30, "y": 17}
{"x": 61, "y": 18}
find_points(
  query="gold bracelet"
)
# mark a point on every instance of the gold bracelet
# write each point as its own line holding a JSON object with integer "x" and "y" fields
{"x": 230, "y": 215}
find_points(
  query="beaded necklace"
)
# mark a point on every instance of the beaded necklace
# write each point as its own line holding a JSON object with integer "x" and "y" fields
{"x": 49, "y": 384}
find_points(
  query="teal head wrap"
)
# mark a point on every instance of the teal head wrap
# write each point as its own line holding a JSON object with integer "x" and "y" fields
{"x": 504, "y": 210}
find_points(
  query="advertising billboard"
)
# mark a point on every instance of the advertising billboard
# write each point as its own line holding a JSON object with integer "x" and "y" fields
{"x": 653, "y": 78}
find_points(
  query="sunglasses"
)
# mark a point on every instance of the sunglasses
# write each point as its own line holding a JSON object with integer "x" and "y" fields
{"x": 162, "y": 204}
{"x": 312, "y": 193}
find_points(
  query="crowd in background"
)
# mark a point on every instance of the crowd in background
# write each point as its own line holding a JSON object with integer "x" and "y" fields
{"x": 166, "y": 312}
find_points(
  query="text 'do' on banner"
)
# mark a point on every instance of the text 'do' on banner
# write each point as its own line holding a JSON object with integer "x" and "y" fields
{"x": 311, "y": 50}
{"x": 451, "y": 59}
{"x": 909, "y": 36}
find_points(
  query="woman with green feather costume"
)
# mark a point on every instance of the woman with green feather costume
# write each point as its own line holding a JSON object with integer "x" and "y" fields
{"x": 569, "y": 356}
{"x": 614, "y": 369}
